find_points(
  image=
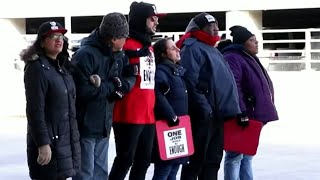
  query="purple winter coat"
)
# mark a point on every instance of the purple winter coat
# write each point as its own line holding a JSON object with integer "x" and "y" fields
{"x": 255, "y": 88}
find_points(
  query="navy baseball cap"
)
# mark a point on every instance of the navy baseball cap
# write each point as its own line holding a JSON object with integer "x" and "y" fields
{"x": 50, "y": 27}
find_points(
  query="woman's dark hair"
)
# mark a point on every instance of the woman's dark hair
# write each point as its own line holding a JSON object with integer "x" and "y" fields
{"x": 35, "y": 50}
{"x": 160, "y": 48}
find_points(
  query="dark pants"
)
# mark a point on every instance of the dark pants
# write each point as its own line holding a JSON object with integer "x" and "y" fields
{"x": 208, "y": 143}
{"x": 134, "y": 147}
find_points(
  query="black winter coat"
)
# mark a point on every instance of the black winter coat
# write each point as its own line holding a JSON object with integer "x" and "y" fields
{"x": 94, "y": 104}
{"x": 171, "y": 92}
{"x": 171, "y": 98}
{"x": 50, "y": 95}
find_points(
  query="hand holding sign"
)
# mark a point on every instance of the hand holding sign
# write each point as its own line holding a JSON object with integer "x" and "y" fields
{"x": 173, "y": 122}
{"x": 242, "y": 140}
{"x": 175, "y": 142}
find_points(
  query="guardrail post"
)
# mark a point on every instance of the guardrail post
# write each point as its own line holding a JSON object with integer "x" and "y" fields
{"x": 308, "y": 50}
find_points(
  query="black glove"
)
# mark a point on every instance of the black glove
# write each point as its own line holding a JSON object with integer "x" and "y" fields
{"x": 140, "y": 53}
{"x": 117, "y": 82}
{"x": 144, "y": 51}
{"x": 173, "y": 121}
{"x": 117, "y": 95}
{"x": 243, "y": 119}
{"x": 131, "y": 69}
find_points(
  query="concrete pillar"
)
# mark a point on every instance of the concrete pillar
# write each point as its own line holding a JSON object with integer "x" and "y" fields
{"x": 252, "y": 20}
{"x": 67, "y": 24}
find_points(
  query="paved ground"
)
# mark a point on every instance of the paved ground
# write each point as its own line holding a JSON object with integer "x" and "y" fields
{"x": 289, "y": 149}
{"x": 276, "y": 160}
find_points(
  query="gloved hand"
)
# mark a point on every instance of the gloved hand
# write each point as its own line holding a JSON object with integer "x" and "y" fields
{"x": 116, "y": 96}
{"x": 44, "y": 155}
{"x": 117, "y": 82}
{"x": 173, "y": 121}
{"x": 131, "y": 69}
{"x": 95, "y": 80}
{"x": 144, "y": 51}
{"x": 135, "y": 68}
{"x": 243, "y": 119}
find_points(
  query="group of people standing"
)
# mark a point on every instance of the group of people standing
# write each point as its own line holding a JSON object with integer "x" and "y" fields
{"x": 118, "y": 79}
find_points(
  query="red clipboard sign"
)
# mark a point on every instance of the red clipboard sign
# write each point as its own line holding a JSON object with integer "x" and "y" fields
{"x": 242, "y": 140}
{"x": 174, "y": 142}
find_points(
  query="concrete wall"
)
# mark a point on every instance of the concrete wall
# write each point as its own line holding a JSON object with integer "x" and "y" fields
{"x": 12, "y": 41}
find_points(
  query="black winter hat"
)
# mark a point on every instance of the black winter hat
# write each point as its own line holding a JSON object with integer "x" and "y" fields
{"x": 240, "y": 34}
{"x": 114, "y": 25}
{"x": 203, "y": 19}
{"x": 50, "y": 27}
{"x": 139, "y": 12}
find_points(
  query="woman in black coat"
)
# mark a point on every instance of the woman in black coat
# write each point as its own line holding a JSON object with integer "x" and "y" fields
{"x": 53, "y": 147}
{"x": 171, "y": 100}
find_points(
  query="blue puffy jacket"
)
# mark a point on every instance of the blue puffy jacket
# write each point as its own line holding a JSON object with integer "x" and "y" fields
{"x": 210, "y": 83}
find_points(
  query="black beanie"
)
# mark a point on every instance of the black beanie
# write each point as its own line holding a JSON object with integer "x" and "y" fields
{"x": 203, "y": 19}
{"x": 240, "y": 34}
{"x": 114, "y": 25}
{"x": 139, "y": 12}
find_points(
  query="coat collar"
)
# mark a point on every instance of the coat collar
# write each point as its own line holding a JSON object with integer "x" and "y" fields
{"x": 176, "y": 69}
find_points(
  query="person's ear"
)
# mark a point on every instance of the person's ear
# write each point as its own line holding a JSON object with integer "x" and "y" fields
{"x": 113, "y": 40}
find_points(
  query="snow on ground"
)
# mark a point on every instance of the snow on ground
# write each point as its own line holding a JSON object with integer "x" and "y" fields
{"x": 289, "y": 148}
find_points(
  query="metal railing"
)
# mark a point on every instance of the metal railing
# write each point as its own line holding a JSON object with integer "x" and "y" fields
{"x": 277, "y": 54}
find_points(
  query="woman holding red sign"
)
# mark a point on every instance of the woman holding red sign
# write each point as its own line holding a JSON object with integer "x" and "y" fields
{"x": 255, "y": 90}
{"x": 171, "y": 100}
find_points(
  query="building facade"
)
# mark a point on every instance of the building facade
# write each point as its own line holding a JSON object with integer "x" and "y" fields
{"x": 288, "y": 34}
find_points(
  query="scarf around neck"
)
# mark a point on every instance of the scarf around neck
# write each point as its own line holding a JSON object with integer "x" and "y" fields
{"x": 200, "y": 36}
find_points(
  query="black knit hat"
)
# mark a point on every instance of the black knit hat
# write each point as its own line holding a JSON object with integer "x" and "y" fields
{"x": 139, "y": 12}
{"x": 203, "y": 19}
{"x": 50, "y": 27}
{"x": 114, "y": 25}
{"x": 240, "y": 34}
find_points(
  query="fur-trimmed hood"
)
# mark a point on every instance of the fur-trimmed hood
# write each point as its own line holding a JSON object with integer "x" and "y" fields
{"x": 29, "y": 54}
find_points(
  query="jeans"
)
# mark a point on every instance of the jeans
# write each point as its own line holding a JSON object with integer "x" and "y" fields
{"x": 237, "y": 166}
{"x": 94, "y": 159}
{"x": 165, "y": 171}
{"x": 134, "y": 143}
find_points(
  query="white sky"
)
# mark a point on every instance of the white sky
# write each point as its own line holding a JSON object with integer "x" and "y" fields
{"x": 42, "y": 8}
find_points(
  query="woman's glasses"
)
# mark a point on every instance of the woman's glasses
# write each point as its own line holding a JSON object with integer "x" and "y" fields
{"x": 56, "y": 36}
